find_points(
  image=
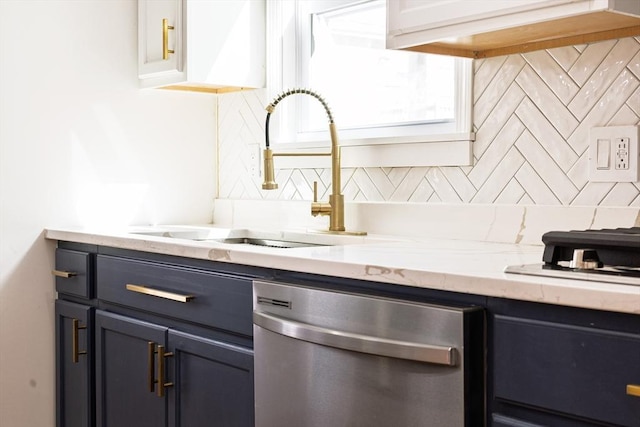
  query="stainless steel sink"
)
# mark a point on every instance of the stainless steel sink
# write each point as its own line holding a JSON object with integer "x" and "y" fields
{"x": 267, "y": 242}
{"x": 274, "y": 239}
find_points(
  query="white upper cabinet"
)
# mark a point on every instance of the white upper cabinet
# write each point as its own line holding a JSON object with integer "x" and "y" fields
{"x": 204, "y": 45}
{"x": 478, "y": 29}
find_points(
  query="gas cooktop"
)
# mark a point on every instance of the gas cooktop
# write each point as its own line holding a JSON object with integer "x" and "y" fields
{"x": 608, "y": 255}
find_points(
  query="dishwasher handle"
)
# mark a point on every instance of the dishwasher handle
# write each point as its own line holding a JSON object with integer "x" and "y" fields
{"x": 440, "y": 355}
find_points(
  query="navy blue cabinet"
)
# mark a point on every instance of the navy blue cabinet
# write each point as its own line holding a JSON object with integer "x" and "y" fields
{"x": 148, "y": 375}
{"x": 74, "y": 364}
{"x": 151, "y": 341}
{"x": 125, "y": 374}
{"x": 563, "y": 366}
{"x": 210, "y": 380}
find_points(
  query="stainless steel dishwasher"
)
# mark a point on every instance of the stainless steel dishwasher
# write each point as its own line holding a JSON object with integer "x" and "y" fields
{"x": 329, "y": 359}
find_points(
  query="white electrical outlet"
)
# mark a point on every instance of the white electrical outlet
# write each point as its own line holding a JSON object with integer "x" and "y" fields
{"x": 614, "y": 154}
{"x": 622, "y": 153}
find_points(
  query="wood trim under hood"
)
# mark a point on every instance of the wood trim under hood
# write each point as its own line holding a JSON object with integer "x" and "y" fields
{"x": 588, "y": 28}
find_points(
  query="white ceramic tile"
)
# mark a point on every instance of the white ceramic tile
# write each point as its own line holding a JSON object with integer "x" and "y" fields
{"x": 603, "y": 77}
{"x": 422, "y": 193}
{"x": 499, "y": 84}
{"x": 589, "y": 59}
{"x": 634, "y": 65}
{"x": 512, "y": 193}
{"x": 381, "y": 181}
{"x": 500, "y": 177}
{"x": 622, "y": 194}
{"x": 546, "y": 134}
{"x": 503, "y": 111}
{"x": 634, "y": 102}
{"x": 409, "y": 184}
{"x": 555, "y": 111}
{"x": 498, "y": 149}
{"x": 497, "y": 119}
{"x": 485, "y": 72}
{"x": 460, "y": 183}
{"x": 565, "y": 56}
{"x": 592, "y": 194}
{"x": 546, "y": 168}
{"x": 526, "y": 200}
{"x": 611, "y": 101}
{"x": 434, "y": 198}
{"x": 365, "y": 185}
{"x": 396, "y": 175}
{"x": 442, "y": 186}
{"x": 547, "y": 70}
{"x": 624, "y": 115}
{"x": 535, "y": 187}
{"x": 579, "y": 172}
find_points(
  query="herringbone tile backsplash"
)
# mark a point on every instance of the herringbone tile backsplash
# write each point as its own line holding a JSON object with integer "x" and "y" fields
{"x": 532, "y": 115}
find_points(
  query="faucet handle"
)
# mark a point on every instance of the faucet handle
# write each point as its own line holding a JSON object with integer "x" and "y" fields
{"x": 315, "y": 191}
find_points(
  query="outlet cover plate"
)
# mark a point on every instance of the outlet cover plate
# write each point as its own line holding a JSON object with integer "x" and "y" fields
{"x": 610, "y": 173}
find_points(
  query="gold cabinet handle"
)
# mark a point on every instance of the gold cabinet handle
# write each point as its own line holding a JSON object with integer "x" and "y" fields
{"x": 633, "y": 390}
{"x": 158, "y": 293}
{"x": 75, "y": 351}
{"x": 161, "y": 357}
{"x": 151, "y": 360}
{"x": 165, "y": 39}
{"x": 64, "y": 274}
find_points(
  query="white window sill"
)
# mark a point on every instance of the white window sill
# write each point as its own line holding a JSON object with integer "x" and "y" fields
{"x": 441, "y": 150}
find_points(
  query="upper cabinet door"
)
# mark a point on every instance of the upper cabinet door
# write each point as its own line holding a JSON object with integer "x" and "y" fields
{"x": 479, "y": 29}
{"x": 414, "y": 15}
{"x": 160, "y": 38}
{"x": 210, "y": 45}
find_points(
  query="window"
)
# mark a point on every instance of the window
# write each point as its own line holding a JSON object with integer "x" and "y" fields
{"x": 377, "y": 96}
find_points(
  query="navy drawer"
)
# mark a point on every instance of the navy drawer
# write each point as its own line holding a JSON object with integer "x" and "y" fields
{"x": 74, "y": 273}
{"x": 575, "y": 370}
{"x": 208, "y": 298}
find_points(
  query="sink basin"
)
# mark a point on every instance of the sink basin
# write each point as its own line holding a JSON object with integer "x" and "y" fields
{"x": 272, "y": 243}
{"x": 274, "y": 239}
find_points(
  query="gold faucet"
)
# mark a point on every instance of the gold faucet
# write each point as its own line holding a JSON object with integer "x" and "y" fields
{"x": 335, "y": 208}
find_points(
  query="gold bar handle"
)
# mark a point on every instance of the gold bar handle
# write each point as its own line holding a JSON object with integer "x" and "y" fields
{"x": 165, "y": 39}
{"x": 64, "y": 274}
{"x": 75, "y": 351}
{"x": 151, "y": 364}
{"x": 161, "y": 384}
{"x": 158, "y": 293}
{"x": 633, "y": 390}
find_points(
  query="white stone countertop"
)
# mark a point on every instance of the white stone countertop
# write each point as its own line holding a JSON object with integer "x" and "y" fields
{"x": 453, "y": 265}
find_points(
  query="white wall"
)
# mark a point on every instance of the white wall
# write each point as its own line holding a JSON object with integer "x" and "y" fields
{"x": 80, "y": 144}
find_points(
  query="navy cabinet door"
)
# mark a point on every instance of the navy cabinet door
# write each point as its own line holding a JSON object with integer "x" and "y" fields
{"x": 74, "y": 357}
{"x": 126, "y": 371}
{"x": 213, "y": 383}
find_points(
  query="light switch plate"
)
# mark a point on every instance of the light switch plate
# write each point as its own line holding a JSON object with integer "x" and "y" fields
{"x": 614, "y": 154}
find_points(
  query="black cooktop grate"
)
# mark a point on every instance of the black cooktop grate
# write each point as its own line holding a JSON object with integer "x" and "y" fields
{"x": 615, "y": 247}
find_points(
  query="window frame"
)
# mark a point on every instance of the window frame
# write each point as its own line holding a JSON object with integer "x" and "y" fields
{"x": 453, "y": 148}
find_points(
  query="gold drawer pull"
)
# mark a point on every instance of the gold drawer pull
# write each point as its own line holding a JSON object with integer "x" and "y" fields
{"x": 75, "y": 347}
{"x": 151, "y": 360}
{"x": 64, "y": 274}
{"x": 161, "y": 379}
{"x": 633, "y": 390}
{"x": 158, "y": 293}
{"x": 165, "y": 39}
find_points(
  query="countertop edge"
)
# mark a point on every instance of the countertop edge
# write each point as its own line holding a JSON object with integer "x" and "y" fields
{"x": 365, "y": 262}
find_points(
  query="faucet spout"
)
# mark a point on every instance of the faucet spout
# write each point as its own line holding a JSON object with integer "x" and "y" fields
{"x": 335, "y": 208}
